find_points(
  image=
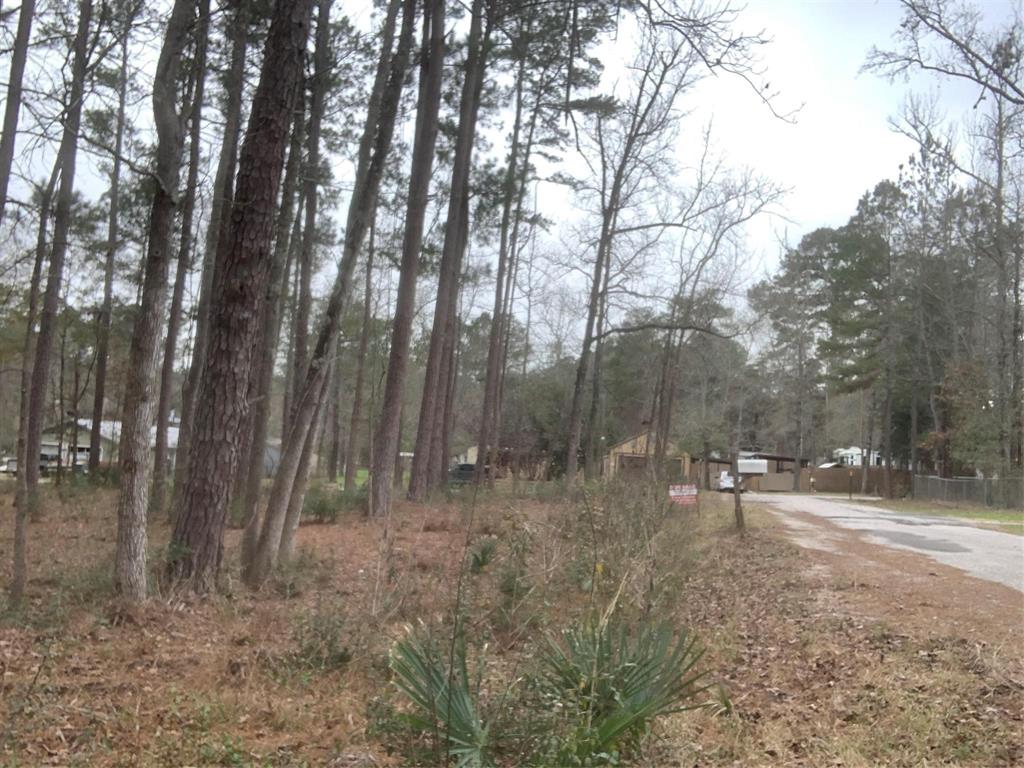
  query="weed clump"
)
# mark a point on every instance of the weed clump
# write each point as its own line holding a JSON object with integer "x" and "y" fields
{"x": 482, "y": 555}
{"x": 320, "y": 640}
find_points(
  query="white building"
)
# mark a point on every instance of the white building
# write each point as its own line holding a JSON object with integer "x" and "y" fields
{"x": 854, "y": 457}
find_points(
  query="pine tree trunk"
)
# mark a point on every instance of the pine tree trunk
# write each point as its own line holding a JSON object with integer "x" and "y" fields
{"x": 66, "y": 158}
{"x": 113, "y": 238}
{"x": 291, "y": 296}
{"x": 913, "y": 435}
{"x": 237, "y": 30}
{"x": 373, "y": 151}
{"x": 441, "y": 470}
{"x": 887, "y": 434}
{"x": 798, "y": 409}
{"x": 352, "y": 449}
{"x": 294, "y": 515}
{"x": 271, "y": 333}
{"x": 431, "y": 419}
{"x": 240, "y": 291}
{"x": 866, "y": 455}
{"x": 310, "y": 184}
{"x": 437, "y": 447}
{"x": 133, "y": 501}
{"x": 61, "y": 426}
{"x": 505, "y": 326}
{"x": 15, "y": 76}
{"x": 386, "y": 439}
{"x": 335, "y": 458}
{"x": 487, "y": 415}
{"x": 21, "y": 502}
{"x": 163, "y": 411}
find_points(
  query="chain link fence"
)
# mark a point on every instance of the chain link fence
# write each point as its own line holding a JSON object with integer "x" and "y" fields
{"x": 1005, "y": 493}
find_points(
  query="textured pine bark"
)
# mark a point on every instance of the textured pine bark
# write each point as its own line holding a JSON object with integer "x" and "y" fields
{"x": 431, "y": 416}
{"x": 21, "y": 501}
{"x": 13, "y": 104}
{"x": 66, "y": 159}
{"x": 113, "y": 237}
{"x": 488, "y": 426}
{"x": 311, "y": 179}
{"x": 355, "y": 423}
{"x": 373, "y": 151}
{"x": 143, "y": 356}
{"x": 294, "y": 514}
{"x": 271, "y": 332}
{"x": 163, "y": 410}
{"x": 437, "y": 445}
{"x": 239, "y": 291}
{"x": 386, "y": 438}
{"x": 237, "y": 30}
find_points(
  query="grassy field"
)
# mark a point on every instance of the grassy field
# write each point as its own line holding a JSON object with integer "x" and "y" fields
{"x": 800, "y": 672}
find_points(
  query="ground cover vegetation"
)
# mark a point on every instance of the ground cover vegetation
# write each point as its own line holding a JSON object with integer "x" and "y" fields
{"x": 607, "y": 629}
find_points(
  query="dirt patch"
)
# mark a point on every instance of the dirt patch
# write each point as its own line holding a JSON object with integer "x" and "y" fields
{"x": 907, "y": 587}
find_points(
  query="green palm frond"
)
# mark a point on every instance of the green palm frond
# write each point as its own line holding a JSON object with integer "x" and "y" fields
{"x": 444, "y": 702}
{"x": 618, "y": 683}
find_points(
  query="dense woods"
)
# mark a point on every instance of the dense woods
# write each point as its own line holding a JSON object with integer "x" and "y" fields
{"x": 176, "y": 264}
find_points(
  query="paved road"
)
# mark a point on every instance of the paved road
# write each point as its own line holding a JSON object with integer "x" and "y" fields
{"x": 981, "y": 552}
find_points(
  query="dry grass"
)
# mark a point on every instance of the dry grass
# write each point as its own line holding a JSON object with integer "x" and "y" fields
{"x": 812, "y": 673}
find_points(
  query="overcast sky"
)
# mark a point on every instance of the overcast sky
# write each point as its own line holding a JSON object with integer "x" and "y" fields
{"x": 840, "y": 144}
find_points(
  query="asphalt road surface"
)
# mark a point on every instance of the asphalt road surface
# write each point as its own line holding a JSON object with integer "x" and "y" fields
{"x": 981, "y": 552}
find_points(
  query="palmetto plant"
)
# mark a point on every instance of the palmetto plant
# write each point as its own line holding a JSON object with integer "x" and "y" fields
{"x": 613, "y": 684}
{"x": 437, "y": 682}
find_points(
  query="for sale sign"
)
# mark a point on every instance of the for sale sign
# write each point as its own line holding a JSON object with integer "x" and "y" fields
{"x": 684, "y": 495}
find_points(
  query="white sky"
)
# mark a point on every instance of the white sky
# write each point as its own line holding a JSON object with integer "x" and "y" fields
{"x": 840, "y": 145}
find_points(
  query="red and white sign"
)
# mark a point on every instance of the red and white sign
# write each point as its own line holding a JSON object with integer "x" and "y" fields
{"x": 684, "y": 495}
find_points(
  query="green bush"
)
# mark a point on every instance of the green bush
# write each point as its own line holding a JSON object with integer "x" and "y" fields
{"x": 321, "y": 504}
{"x": 609, "y": 686}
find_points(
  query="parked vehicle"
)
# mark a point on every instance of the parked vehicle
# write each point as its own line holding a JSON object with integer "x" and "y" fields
{"x": 725, "y": 482}
{"x": 462, "y": 474}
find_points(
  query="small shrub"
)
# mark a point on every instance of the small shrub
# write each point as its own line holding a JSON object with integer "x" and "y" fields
{"x": 227, "y": 753}
{"x": 108, "y": 476}
{"x": 300, "y": 573}
{"x": 71, "y": 487}
{"x": 321, "y": 504}
{"x": 386, "y": 724}
{"x": 320, "y": 640}
{"x": 514, "y": 583}
{"x": 482, "y": 554}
